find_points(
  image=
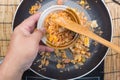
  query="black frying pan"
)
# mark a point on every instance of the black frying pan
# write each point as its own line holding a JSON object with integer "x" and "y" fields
{"x": 98, "y": 12}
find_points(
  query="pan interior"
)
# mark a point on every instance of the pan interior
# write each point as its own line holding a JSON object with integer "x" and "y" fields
{"x": 98, "y": 12}
{"x": 97, "y": 52}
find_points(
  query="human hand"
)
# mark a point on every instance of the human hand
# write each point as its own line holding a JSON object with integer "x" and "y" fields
{"x": 24, "y": 45}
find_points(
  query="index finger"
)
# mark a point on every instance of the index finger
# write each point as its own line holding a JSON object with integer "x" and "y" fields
{"x": 29, "y": 23}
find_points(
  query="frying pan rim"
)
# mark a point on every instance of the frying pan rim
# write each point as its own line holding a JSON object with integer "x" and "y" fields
{"x": 16, "y": 13}
{"x": 96, "y": 65}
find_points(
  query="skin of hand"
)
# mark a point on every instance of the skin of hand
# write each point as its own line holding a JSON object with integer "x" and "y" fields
{"x": 23, "y": 48}
{"x": 59, "y": 2}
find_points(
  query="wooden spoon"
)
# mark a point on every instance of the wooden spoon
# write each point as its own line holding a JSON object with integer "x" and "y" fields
{"x": 81, "y": 29}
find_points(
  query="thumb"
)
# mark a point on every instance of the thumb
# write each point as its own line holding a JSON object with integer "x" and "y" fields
{"x": 37, "y": 35}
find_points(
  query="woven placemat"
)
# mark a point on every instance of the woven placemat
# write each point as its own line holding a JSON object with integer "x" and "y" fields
{"x": 7, "y": 10}
{"x": 112, "y": 60}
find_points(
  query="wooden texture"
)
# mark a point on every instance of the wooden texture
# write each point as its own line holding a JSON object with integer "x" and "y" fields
{"x": 81, "y": 29}
{"x": 112, "y": 60}
{"x": 7, "y": 10}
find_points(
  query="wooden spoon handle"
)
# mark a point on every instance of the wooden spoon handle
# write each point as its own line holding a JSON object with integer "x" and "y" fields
{"x": 103, "y": 41}
{"x": 85, "y": 31}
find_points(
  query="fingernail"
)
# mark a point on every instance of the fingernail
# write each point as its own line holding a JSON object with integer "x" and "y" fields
{"x": 39, "y": 13}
